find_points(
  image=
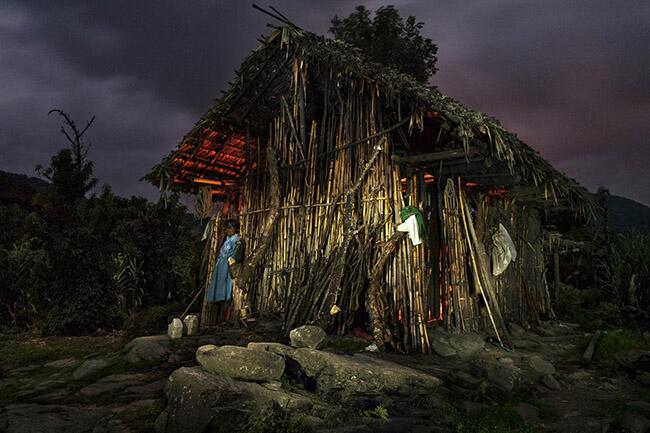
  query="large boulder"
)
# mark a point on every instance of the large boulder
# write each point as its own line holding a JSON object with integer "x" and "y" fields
{"x": 348, "y": 377}
{"x": 309, "y": 336}
{"x": 439, "y": 340}
{"x": 500, "y": 371}
{"x": 112, "y": 384}
{"x": 277, "y": 348}
{"x": 200, "y": 401}
{"x": 151, "y": 348}
{"x": 241, "y": 363}
{"x": 467, "y": 345}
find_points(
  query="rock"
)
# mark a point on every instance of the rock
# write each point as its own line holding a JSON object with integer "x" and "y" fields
{"x": 541, "y": 365}
{"x": 361, "y": 428}
{"x": 516, "y": 330}
{"x": 175, "y": 359}
{"x": 360, "y": 375}
{"x": 62, "y": 363}
{"x": 49, "y": 418}
{"x": 21, "y": 370}
{"x": 160, "y": 425}
{"x": 200, "y": 401}
{"x": 528, "y": 412}
{"x": 50, "y": 397}
{"x": 523, "y": 343}
{"x": 549, "y": 381}
{"x": 505, "y": 375}
{"x": 309, "y": 336}
{"x": 277, "y": 348}
{"x": 175, "y": 329}
{"x": 90, "y": 367}
{"x": 152, "y": 348}
{"x": 153, "y": 389}
{"x": 635, "y": 423}
{"x": 439, "y": 340}
{"x": 464, "y": 380}
{"x": 580, "y": 376}
{"x": 191, "y": 323}
{"x": 112, "y": 383}
{"x": 467, "y": 345}
{"x": 138, "y": 404}
{"x": 241, "y": 363}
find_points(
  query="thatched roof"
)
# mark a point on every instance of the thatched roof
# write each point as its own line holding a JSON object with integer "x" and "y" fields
{"x": 214, "y": 152}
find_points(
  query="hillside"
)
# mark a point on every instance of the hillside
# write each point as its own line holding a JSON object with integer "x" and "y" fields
{"x": 18, "y": 188}
{"x": 625, "y": 214}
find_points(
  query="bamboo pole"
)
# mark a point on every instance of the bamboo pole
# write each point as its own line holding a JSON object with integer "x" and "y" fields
{"x": 473, "y": 257}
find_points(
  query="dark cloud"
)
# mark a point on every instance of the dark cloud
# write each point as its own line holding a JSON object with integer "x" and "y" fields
{"x": 570, "y": 78}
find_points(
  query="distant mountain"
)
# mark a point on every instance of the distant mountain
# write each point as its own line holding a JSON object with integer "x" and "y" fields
{"x": 625, "y": 215}
{"x": 18, "y": 188}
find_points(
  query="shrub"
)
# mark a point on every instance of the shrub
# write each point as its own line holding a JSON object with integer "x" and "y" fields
{"x": 150, "y": 321}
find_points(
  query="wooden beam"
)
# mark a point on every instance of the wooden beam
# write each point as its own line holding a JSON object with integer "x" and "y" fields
{"x": 424, "y": 158}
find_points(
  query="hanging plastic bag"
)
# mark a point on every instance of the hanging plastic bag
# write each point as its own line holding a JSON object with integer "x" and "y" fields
{"x": 503, "y": 250}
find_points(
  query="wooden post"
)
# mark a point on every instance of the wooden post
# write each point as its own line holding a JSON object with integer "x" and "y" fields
{"x": 556, "y": 273}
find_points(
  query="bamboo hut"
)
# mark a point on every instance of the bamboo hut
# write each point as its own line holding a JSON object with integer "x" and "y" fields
{"x": 316, "y": 151}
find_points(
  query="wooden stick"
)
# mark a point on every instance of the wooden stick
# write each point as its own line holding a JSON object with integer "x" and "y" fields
{"x": 591, "y": 348}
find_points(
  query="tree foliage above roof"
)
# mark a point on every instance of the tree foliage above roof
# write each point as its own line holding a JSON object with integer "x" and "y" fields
{"x": 389, "y": 39}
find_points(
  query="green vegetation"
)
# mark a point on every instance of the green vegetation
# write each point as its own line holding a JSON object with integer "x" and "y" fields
{"x": 612, "y": 342}
{"x": 150, "y": 321}
{"x": 496, "y": 419}
{"x": 277, "y": 419}
{"x": 28, "y": 348}
{"x": 379, "y": 412}
{"x": 72, "y": 264}
{"x": 389, "y": 39}
{"x": 630, "y": 263}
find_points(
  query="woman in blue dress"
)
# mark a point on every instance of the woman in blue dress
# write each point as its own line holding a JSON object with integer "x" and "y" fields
{"x": 221, "y": 284}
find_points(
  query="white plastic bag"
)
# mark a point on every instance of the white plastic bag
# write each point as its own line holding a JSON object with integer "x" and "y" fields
{"x": 503, "y": 250}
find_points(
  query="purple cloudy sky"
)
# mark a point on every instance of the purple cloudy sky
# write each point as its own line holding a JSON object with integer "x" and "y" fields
{"x": 569, "y": 77}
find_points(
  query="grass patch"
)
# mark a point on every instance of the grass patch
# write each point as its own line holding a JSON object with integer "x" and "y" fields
{"x": 612, "y": 342}
{"x": 498, "y": 419}
{"x": 27, "y": 348}
{"x": 277, "y": 419}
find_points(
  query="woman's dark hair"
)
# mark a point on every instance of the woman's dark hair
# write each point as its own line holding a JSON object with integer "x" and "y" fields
{"x": 232, "y": 223}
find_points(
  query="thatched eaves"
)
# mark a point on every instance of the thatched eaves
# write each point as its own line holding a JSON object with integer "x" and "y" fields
{"x": 213, "y": 151}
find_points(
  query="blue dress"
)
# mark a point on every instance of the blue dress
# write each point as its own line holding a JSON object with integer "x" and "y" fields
{"x": 220, "y": 288}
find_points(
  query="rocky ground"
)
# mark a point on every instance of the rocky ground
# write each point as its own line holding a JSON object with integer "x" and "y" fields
{"x": 469, "y": 385}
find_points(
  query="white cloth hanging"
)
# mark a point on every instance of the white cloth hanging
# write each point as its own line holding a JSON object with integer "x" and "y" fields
{"x": 410, "y": 226}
